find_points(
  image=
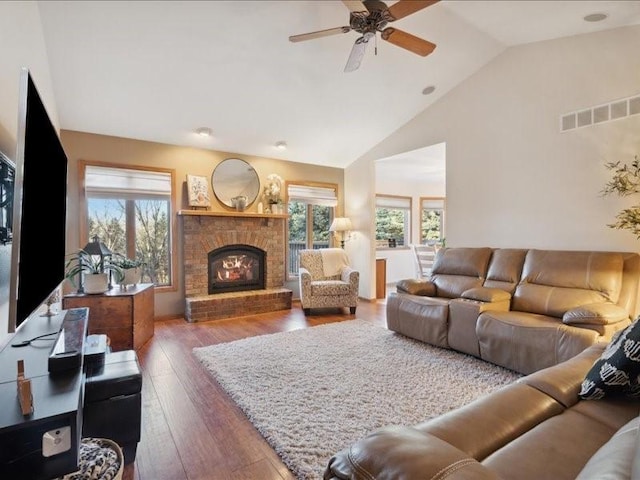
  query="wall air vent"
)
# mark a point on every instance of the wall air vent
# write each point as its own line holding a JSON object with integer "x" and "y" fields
{"x": 600, "y": 114}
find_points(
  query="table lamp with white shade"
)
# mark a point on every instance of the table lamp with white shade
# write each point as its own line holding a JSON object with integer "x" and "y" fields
{"x": 341, "y": 226}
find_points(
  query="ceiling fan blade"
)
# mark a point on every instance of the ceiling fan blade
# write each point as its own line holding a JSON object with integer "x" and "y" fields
{"x": 402, "y": 8}
{"x": 406, "y": 40}
{"x": 357, "y": 52}
{"x": 319, "y": 34}
{"x": 355, "y": 6}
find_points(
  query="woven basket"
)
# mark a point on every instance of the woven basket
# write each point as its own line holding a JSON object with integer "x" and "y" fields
{"x": 98, "y": 459}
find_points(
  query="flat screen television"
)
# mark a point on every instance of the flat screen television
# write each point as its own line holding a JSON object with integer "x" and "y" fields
{"x": 39, "y": 207}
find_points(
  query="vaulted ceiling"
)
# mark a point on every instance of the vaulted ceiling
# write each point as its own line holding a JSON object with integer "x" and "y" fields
{"x": 157, "y": 71}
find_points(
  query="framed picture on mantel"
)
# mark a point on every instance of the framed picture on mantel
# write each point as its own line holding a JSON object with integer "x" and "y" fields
{"x": 198, "y": 191}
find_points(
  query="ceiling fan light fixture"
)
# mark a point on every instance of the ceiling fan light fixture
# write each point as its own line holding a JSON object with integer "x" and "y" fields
{"x": 429, "y": 90}
{"x": 368, "y": 17}
{"x": 281, "y": 145}
{"x": 595, "y": 17}
{"x": 204, "y": 131}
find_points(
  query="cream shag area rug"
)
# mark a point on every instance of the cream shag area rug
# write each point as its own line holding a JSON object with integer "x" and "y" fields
{"x": 315, "y": 391}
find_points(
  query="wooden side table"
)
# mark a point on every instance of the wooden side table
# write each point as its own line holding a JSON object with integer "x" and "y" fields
{"x": 125, "y": 316}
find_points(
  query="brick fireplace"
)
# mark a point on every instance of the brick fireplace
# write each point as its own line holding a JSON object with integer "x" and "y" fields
{"x": 205, "y": 232}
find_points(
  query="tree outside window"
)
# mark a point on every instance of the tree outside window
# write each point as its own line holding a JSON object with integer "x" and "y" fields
{"x": 133, "y": 223}
{"x": 431, "y": 220}
{"x": 311, "y": 210}
{"x": 393, "y": 220}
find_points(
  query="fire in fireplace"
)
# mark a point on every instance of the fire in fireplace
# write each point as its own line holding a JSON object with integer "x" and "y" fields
{"x": 234, "y": 268}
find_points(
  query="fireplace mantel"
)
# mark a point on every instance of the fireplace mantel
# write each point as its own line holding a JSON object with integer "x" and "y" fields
{"x": 208, "y": 213}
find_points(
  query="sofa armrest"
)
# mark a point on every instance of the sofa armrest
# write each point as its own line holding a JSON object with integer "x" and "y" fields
{"x": 349, "y": 275}
{"x": 304, "y": 280}
{"x": 404, "y": 452}
{"x": 486, "y": 294}
{"x": 595, "y": 314}
{"x": 424, "y": 288}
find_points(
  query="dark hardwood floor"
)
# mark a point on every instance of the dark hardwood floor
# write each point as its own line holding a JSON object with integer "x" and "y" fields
{"x": 191, "y": 429}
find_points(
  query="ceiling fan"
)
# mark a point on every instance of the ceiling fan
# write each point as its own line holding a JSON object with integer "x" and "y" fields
{"x": 371, "y": 16}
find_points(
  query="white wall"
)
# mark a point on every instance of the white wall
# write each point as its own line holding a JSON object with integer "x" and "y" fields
{"x": 359, "y": 187}
{"x": 512, "y": 178}
{"x": 21, "y": 45}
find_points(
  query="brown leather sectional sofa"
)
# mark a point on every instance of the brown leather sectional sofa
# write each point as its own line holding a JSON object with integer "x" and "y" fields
{"x": 542, "y": 311}
{"x": 523, "y": 309}
{"x": 533, "y": 429}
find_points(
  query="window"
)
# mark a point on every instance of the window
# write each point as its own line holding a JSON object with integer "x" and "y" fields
{"x": 393, "y": 221}
{"x": 431, "y": 220}
{"x": 131, "y": 210}
{"x": 311, "y": 211}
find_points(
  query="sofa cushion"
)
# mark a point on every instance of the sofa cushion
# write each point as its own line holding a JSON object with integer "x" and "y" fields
{"x": 556, "y": 281}
{"x": 615, "y": 373}
{"x": 600, "y": 271}
{"x": 557, "y": 448}
{"x": 505, "y": 268}
{"x": 416, "y": 287}
{"x": 458, "y": 269}
{"x": 421, "y": 318}
{"x": 527, "y": 342}
{"x": 614, "y": 459}
{"x": 553, "y": 301}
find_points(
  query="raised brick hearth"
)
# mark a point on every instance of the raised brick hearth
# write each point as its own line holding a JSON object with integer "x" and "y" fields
{"x": 205, "y": 231}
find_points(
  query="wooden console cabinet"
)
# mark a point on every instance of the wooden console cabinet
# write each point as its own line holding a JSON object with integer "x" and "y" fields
{"x": 125, "y": 316}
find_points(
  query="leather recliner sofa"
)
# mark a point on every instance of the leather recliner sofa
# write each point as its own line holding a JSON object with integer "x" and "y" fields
{"x": 522, "y": 309}
{"x": 536, "y": 428}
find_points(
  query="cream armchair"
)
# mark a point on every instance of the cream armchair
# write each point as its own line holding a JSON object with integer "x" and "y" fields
{"x": 327, "y": 280}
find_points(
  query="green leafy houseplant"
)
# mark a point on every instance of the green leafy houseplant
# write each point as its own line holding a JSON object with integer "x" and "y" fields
{"x": 625, "y": 181}
{"x": 82, "y": 263}
{"x": 124, "y": 262}
{"x": 130, "y": 269}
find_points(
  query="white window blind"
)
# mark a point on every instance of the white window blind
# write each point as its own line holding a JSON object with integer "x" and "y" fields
{"x": 393, "y": 202}
{"x": 433, "y": 203}
{"x": 325, "y": 196}
{"x": 126, "y": 182}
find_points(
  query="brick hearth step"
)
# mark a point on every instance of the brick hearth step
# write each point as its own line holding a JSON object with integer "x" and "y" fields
{"x": 236, "y": 304}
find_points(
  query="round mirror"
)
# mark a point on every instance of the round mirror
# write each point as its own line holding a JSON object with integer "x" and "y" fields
{"x": 235, "y": 183}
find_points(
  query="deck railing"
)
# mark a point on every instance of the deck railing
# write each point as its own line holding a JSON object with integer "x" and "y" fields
{"x": 294, "y": 250}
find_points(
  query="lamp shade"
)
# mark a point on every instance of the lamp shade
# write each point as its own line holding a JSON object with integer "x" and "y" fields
{"x": 340, "y": 224}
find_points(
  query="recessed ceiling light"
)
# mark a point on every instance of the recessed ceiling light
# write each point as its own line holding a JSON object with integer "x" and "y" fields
{"x": 429, "y": 90}
{"x": 281, "y": 145}
{"x": 204, "y": 131}
{"x": 595, "y": 17}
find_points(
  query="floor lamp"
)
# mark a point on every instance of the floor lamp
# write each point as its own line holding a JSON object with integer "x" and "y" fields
{"x": 340, "y": 226}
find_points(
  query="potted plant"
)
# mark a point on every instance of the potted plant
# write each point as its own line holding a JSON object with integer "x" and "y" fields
{"x": 91, "y": 270}
{"x": 625, "y": 181}
{"x": 131, "y": 270}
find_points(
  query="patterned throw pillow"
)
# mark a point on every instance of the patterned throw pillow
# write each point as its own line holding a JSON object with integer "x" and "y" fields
{"x": 617, "y": 372}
